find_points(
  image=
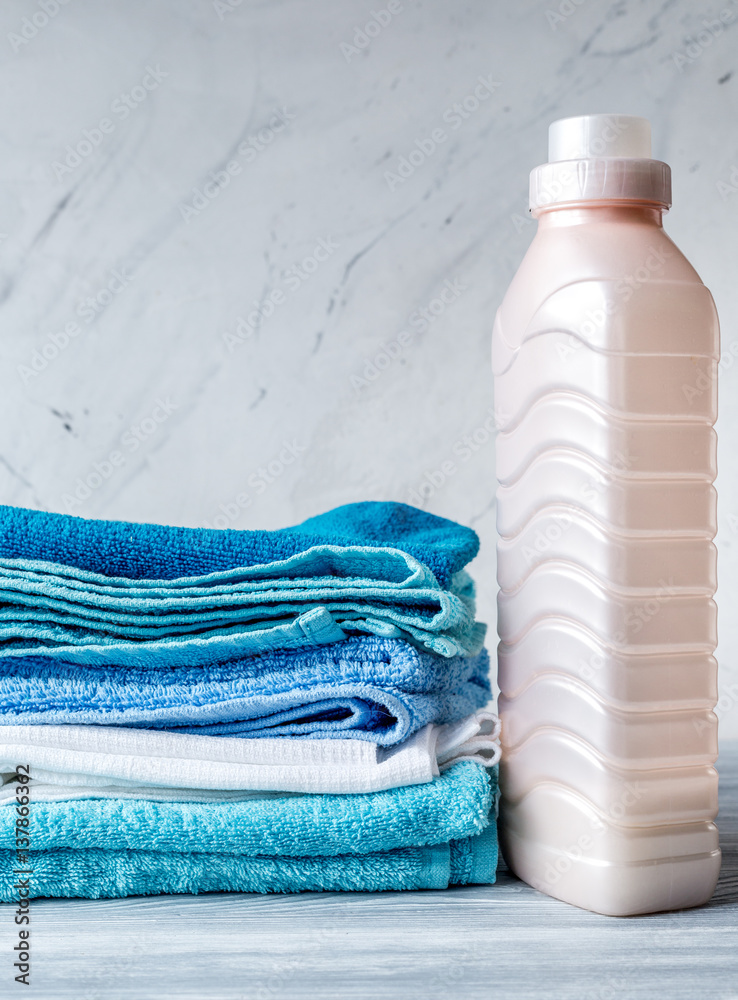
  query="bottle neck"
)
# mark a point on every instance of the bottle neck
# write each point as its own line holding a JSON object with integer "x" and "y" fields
{"x": 582, "y": 213}
{"x": 619, "y": 180}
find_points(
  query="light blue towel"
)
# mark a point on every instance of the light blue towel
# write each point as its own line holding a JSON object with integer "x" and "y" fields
{"x": 114, "y": 874}
{"x": 451, "y": 807}
{"x": 312, "y": 598}
{"x": 422, "y": 836}
{"x": 365, "y": 688}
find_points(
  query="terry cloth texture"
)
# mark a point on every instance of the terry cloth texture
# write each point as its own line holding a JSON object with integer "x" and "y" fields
{"x": 336, "y": 663}
{"x": 316, "y": 597}
{"x": 364, "y": 688}
{"x": 452, "y": 806}
{"x": 403, "y": 838}
{"x": 70, "y": 762}
{"x": 113, "y": 874}
{"x": 154, "y": 551}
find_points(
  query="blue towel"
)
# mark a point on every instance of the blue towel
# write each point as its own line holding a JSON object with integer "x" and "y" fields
{"x": 451, "y": 807}
{"x": 312, "y": 598}
{"x": 425, "y": 836}
{"x": 365, "y": 688}
{"x": 114, "y": 874}
{"x": 153, "y": 551}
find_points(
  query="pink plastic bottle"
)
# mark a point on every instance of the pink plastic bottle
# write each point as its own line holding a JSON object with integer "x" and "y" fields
{"x": 605, "y": 356}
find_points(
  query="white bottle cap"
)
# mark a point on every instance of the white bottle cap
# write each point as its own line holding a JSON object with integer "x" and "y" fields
{"x": 599, "y": 136}
{"x": 602, "y": 158}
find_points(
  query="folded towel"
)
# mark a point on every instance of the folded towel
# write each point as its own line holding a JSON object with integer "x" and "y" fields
{"x": 365, "y": 688}
{"x": 314, "y": 597}
{"x": 95, "y": 874}
{"x": 425, "y": 836}
{"x": 450, "y": 807}
{"x": 184, "y": 635}
{"x": 153, "y": 551}
{"x": 74, "y": 762}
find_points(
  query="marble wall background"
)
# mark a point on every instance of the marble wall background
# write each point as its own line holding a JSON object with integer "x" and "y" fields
{"x": 132, "y": 256}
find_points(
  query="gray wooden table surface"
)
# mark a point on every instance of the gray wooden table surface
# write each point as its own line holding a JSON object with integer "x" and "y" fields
{"x": 501, "y": 941}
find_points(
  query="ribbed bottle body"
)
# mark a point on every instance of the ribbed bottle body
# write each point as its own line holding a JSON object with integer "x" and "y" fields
{"x": 605, "y": 358}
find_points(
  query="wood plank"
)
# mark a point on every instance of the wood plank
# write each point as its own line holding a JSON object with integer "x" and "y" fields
{"x": 501, "y": 941}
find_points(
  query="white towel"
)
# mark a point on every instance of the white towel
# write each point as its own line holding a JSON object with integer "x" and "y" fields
{"x": 70, "y": 762}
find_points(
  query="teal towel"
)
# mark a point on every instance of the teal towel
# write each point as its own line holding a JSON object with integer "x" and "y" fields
{"x": 315, "y": 597}
{"x": 112, "y": 874}
{"x": 451, "y": 807}
{"x": 416, "y": 837}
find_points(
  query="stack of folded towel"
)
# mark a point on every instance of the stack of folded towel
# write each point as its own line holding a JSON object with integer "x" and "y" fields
{"x": 243, "y": 710}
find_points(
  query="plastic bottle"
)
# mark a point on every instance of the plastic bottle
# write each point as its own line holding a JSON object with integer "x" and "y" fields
{"x": 605, "y": 354}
